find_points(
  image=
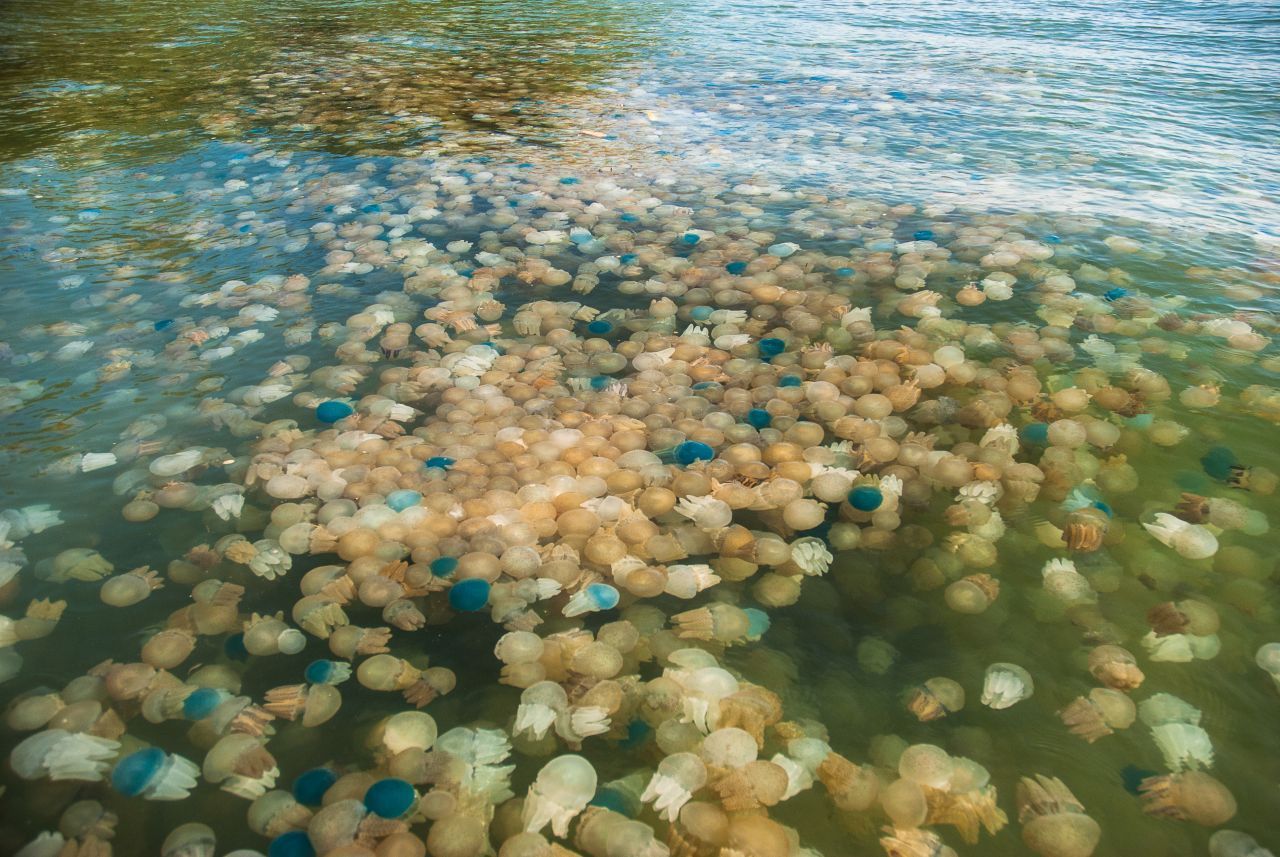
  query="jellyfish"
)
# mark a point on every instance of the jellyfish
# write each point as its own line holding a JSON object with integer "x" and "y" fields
{"x": 240, "y": 765}
{"x": 153, "y": 774}
{"x": 1268, "y": 660}
{"x": 1233, "y": 843}
{"x": 1099, "y": 714}
{"x": 125, "y": 590}
{"x": 561, "y": 791}
{"x": 314, "y": 703}
{"x": 189, "y": 840}
{"x": 1191, "y": 541}
{"x": 935, "y": 698}
{"x": 672, "y": 786}
{"x": 61, "y": 755}
{"x": 1188, "y": 796}
{"x": 1115, "y": 667}
{"x": 540, "y": 705}
{"x": 593, "y": 597}
{"x": 1005, "y": 685}
{"x": 1054, "y": 823}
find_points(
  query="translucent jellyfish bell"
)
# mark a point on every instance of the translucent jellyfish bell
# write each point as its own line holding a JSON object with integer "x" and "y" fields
{"x": 1005, "y": 685}
{"x": 935, "y": 698}
{"x": 540, "y": 705}
{"x": 408, "y": 730}
{"x": 1268, "y": 660}
{"x": 1054, "y": 823}
{"x": 61, "y": 755}
{"x": 592, "y": 598}
{"x": 671, "y": 787}
{"x": 1188, "y": 796}
{"x": 189, "y": 840}
{"x": 561, "y": 791}
{"x": 927, "y": 765}
{"x": 153, "y": 774}
{"x": 729, "y": 748}
{"x": 1233, "y": 843}
{"x": 1191, "y": 541}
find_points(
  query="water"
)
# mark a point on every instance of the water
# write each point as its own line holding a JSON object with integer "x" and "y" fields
{"x": 153, "y": 153}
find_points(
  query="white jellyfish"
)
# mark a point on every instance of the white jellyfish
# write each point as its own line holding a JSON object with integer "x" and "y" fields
{"x": 1191, "y": 541}
{"x": 561, "y": 791}
{"x": 540, "y": 705}
{"x": 811, "y": 556}
{"x": 62, "y": 755}
{"x": 1005, "y": 685}
{"x": 674, "y": 783}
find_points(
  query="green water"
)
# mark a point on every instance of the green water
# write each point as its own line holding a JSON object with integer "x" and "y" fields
{"x": 151, "y": 153}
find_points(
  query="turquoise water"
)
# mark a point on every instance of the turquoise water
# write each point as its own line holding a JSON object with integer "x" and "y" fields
{"x": 165, "y": 167}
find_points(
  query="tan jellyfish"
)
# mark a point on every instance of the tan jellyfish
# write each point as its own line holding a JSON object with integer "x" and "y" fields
{"x": 1054, "y": 823}
{"x": 935, "y": 698}
{"x": 1188, "y": 796}
{"x": 1099, "y": 714}
{"x": 1115, "y": 667}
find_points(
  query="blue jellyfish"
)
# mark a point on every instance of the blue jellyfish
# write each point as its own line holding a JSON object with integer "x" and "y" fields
{"x": 592, "y": 598}
{"x": 844, "y": 272}
{"x": 770, "y": 347}
{"x": 327, "y": 672}
{"x": 390, "y": 798}
{"x": 757, "y": 622}
{"x": 690, "y": 238}
{"x": 692, "y": 450}
{"x": 1218, "y": 461}
{"x": 758, "y": 418}
{"x": 310, "y": 786}
{"x": 331, "y": 412}
{"x": 444, "y": 566}
{"x": 201, "y": 702}
{"x": 599, "y": 327}
{"x": 294, "y": 843}
{"x": 790, "y": 381}
{"x": 1036, "y": 433}
{"x": 866, "y": 498}
{"x": 469, "y": 595}
{"x": 154, "y": 774}
{"x": 736, "y": 268}
{"x": 701, "y": 313}
{"x": 442, "y": 462}
{"x": 922, "y": 235}
{"x": 403, "y": 499}
{"x": 628, "y": 258}
{"x": 1115, "y": 294}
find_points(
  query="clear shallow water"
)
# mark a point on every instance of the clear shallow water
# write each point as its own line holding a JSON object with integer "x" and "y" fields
{"x": 155, "y": 153}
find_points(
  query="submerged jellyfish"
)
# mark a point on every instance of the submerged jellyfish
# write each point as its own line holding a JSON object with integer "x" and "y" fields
{"x": 592, "y": 598}
{"x": 1191, "y": 541}
{"x": 562, "y": 790}
{"x": 62, "y": 755}
{"x": 1005, "y": 685}
{"x": 935, "y": 698}
{"x": 678, "y": 777}
{"x": 390, "y": 798}
{"x": 154, "y": 775}
{"x": 1054, "y": 823}
{"x": 1188, "y": 796}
